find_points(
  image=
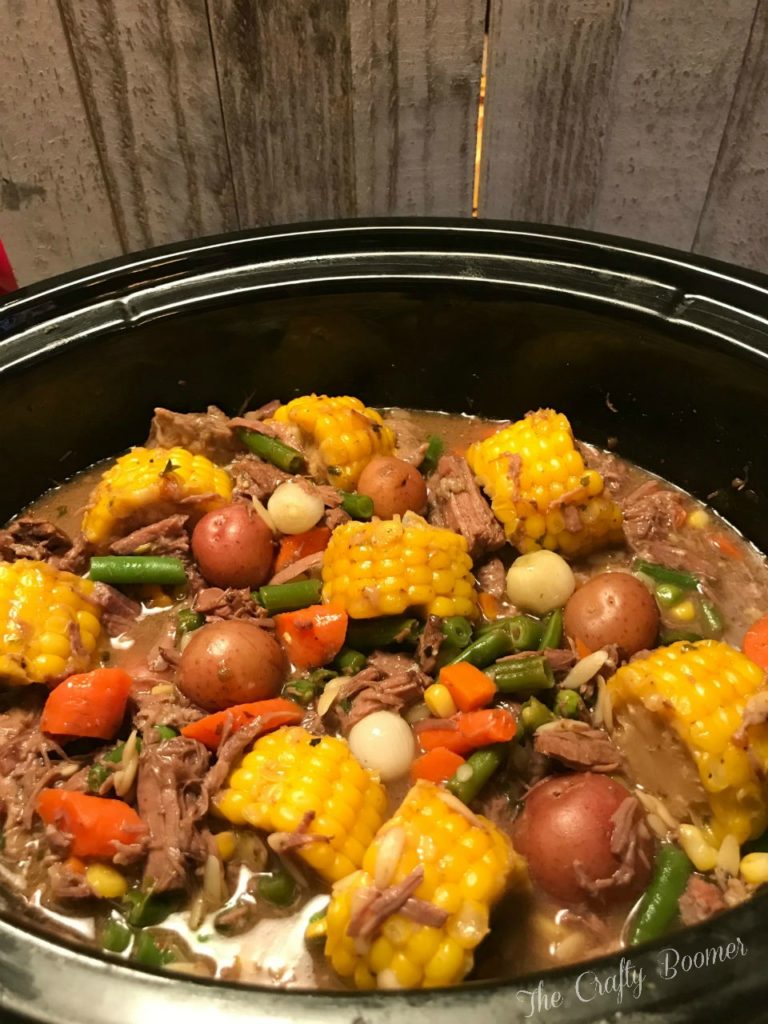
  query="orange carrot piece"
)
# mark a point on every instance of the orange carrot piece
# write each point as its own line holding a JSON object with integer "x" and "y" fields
{"x": 469, "y": 730}
{"x": 89, "y": 704}
{"x": 724, "y": 544}
{"x": 436, "y": 765}
{"x": 300, "y": 545}
{"x": 94, "y": 823}
{"x": 490, "y": 606}
{"x": 449, "y": 737}
{"x": 581, "y": 648}
{"x": 470, "y": 688}
{"x": 755, "y": 644}
{"x": 273, "y": 714}
{"x": 312, "y": 636}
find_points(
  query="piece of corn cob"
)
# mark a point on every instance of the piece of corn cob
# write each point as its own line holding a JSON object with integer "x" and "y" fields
{"x": 467, "y": 864}
{"x": 384, "y": 567}
{"x": 346, "y": 433}
{"x": 48, "y": 623}
{"x": 148, "y": 484}
{"x": 289, "y": 773}
{"x": 534, "y": 475}
{"x": 699, "y": 690}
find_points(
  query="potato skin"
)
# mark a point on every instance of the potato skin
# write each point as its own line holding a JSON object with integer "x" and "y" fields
{"x": 613, "y": 608}
{"x": 233, "y": 546}
{"x": 567, "y": 821}
{"x": 227, "y": 663}
{"x": 394, "y": 486}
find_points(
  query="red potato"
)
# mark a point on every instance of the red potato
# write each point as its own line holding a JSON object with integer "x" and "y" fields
{"x": 613, "y": 608}
{"x": 395, "y": 487}
{"x": 228, "y": 663}
{"x": 233, "y": 546}
{"x": 565, "y": 833}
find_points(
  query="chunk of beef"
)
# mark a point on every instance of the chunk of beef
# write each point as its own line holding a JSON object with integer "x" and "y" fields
{"x": 700, "y": 901}
{"x": 335, "y": 517}
{"x": 231, "y": 746}
{"x": 578, "y": 746}
{"x": 652, "y": 515}
{"x": 430, "y": 642}
{"x": 65, "y": 885}
{"x": 28, "y": 537}
{"x": 203, "y": 433}
{"x": 254, "y": 478}
{"x": 167, "y": 537}
{"x": 163, "y": 704}
{"x": 411, "y": 443}
{"x": 77, "y": 559}
{"x": 492, "y": 577}
{"x": 389, "y": 682}
{"x": 172, "y": 800}
{"x": 455, "y": 502}
{"x": 118, "y": 612}
{"x": 217, "y": 605}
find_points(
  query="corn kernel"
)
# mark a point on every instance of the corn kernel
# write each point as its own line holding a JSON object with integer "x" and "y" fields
{"x": 754, "y": 868}
{"x": 697, "y": 849}
{"x": 226, "y": 844}
{"x": 105, "y": 882}
{"x": 684, "y": 611}
{"x": 439, "y": 701}
{"x": 698, "y": 519}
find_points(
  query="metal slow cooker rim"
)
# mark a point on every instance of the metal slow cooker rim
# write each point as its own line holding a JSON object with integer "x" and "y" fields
{"x": 725, "y": 303}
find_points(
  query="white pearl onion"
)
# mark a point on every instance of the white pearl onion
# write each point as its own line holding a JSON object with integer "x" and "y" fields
{"x": 383, "y": 743}
{"x": 540, "y": 582}
{"x": 294, "y": 510}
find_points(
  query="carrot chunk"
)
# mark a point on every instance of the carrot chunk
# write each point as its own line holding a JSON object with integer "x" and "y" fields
{"x": 312, "y": 636}
{"x": 436, "y": 765}
{"x": 95, "y": 824}
{"x": 89, "y": 704}
{"x": 273, "y": 714}
{"x": 470, "y": 688}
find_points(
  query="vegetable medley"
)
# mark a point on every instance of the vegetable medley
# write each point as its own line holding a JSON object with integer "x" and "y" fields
{"x": 453, "y": 697}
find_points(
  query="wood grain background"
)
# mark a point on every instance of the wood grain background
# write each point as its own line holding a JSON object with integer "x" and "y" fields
{"x": 130, "y": 123}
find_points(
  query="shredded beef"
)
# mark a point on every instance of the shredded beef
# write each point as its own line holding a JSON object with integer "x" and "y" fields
{"x": 492, "y": 577}
{"x": 335, "y": 517}
{"x": 77, "y": 559}
{"x": 380, "y": 904}
{"x": 171, "y": 800}
{"x": 285, "y": 432}
{"x": 166, "y": 537}
{"x": 231, "y": 746}
{"x": 164, "y": 706}
{"x": 755, "y": 713}
{"x": 389, "y": 682}
{"x": 217, "y": 605}
{"x": 65, "y": 884}
{"x": 203, "y": 433}
{"x": 118, "y": 612}
{"x": 498, "y": 809}
{"x": 628, "y": 827}
{"x": 254, "y": 478}
{"x": 411, "y": 443}
{"x": 652, "y": 515}
{"x": 613, "y": 470}
{"x": 578, "y": 746}
{"x": 429, "y": 645}
{"x": 456, "y": 503}
{"x": 310, "y": 563}
{"x": 27, "y": 537}
{"x": 700, "y": 901}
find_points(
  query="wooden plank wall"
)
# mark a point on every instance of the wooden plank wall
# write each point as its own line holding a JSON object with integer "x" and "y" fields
{"x": 130, "y": 123}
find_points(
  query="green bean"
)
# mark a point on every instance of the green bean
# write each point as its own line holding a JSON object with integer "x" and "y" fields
{"x": 349, "y": 662}
{"x": 122, "y": 569}
{"x": 672, "y": 636}
{"x": 661, "y": 574}
{"x": 568, "y": 704}
{"x": 116, "y": 936}
{"x": 115, "y": 755}
{"x": 358, "y": 506}
{"x": 713, "y": 620}
{"x": 520, "y": 674}
{"x": 278, "y": 887}
{"x": 552, "y": 631}
{"x": 469, "y": 779}
{"x": 272, "y": 450}
{"x": 432, "y": 454}
{"x": 304, "y": 689}
{"x": 523, "y": 631}
{"x": 187, "y": 621}
{"x": 97, "y": 776}
{"x": 659, "y": 904}
{"x": 457, "y": 630}
{"x": 534, "y": 714}
{"x": 668, "y": 594}
{"x": 147, "y": 951}
{"x": 368, "y": 634}
{"x": 288, "y": 597}
{"x": 485, "y": 650}
{"x": 142, "y": 908}
{"x": 166, "y": 732}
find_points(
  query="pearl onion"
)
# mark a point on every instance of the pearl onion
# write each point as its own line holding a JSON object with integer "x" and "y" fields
{"x": 383, "y": 742}
{"x": 540, "y": 582}
{"x": 293, "y": 510}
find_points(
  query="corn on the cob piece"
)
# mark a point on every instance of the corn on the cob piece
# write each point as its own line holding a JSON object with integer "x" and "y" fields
{"x": 49, "y": 627}
{"x": 148, "y": 484}
{"x": 290, "y": 773}
{"x": 700, "y": 690}
{"x": 384, "y": 567}
{"x": 467, "y": 863}
{"x": 533, "y": 473}
{"x": 346, "y": 433}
